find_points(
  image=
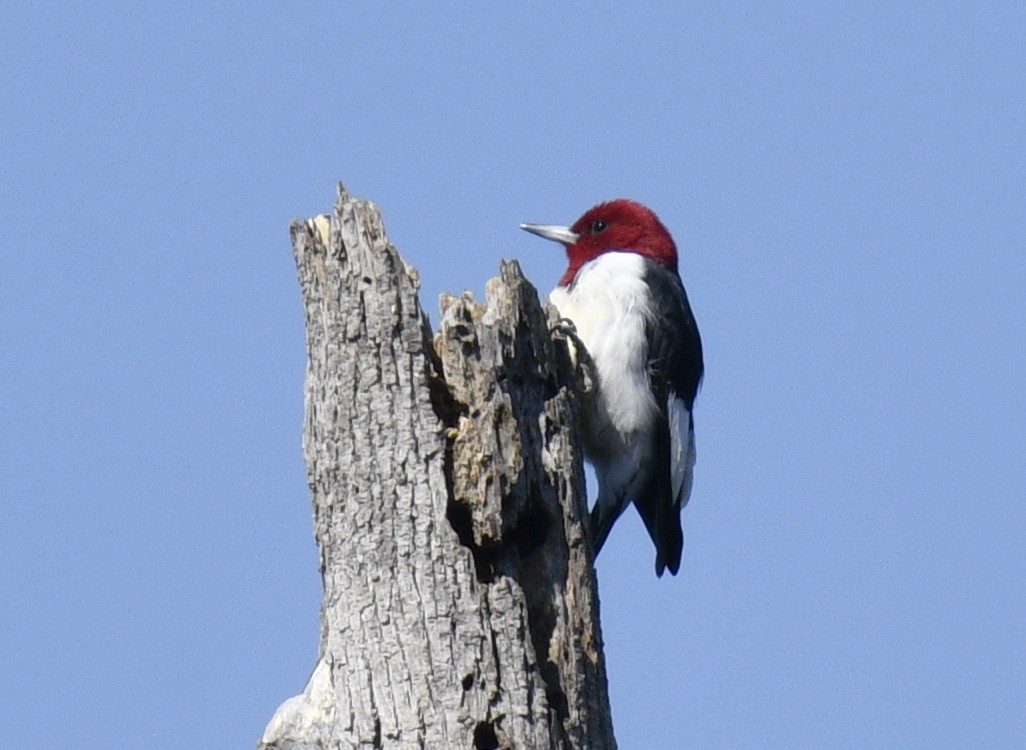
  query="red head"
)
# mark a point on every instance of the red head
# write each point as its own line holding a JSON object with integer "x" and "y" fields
{"x": 617, "y": 225}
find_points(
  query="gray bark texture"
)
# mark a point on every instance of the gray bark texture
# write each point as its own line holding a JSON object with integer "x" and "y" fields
{"x": 460, "y": 607}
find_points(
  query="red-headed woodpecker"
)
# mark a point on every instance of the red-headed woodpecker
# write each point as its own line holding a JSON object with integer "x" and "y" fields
{"x": 627, "y": 303}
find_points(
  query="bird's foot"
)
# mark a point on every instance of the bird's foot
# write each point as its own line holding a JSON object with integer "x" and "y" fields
{"x": 582, "y": 362}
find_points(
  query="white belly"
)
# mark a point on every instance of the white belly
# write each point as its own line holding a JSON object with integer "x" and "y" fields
{"x": 609, "y": 305}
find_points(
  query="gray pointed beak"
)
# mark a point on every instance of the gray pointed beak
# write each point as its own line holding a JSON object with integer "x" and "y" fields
{"x": 551, "y": 232}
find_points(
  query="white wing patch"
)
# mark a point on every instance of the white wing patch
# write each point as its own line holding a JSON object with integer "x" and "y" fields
{"x": 682, "y": 449}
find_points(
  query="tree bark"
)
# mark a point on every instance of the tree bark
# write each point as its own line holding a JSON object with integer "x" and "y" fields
{"x": 460, "y": 608}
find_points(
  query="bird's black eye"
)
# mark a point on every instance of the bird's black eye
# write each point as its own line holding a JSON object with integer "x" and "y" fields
{"x": 598, "y": 227}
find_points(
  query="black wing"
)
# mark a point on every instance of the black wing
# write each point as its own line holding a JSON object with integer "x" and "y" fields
{"x": 674, "y": 345}
{"x": 675, "y": 372}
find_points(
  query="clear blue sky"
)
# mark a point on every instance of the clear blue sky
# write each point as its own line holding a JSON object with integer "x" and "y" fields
{"x": 847, "y": 184}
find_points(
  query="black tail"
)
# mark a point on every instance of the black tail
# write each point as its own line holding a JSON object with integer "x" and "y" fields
{"x": 601, "y": 525}
{"x": 659, "y": 509}
{"x": 670, "y": 544}
{"x": 662, "y": 520}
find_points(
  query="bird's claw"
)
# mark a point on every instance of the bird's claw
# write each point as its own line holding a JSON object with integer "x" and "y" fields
{"x": 566, "y": 328}
{"x": 582, "y": 362}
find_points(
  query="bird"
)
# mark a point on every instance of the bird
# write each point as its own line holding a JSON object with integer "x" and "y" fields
{"x": 624, "y": 300}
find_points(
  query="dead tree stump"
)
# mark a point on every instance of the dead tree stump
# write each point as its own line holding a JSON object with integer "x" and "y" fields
{"x": 460, "y": 607}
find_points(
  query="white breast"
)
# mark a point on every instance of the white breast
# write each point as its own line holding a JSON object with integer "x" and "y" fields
{"x": 609, "y": 303}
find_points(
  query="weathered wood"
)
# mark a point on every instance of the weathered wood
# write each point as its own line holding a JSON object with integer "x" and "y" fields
{"x": 460, "y": 608}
